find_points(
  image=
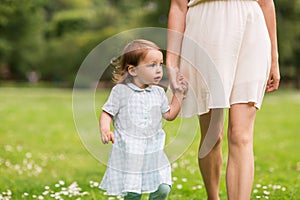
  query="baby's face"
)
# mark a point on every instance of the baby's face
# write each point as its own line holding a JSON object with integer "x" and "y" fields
{"x": 149, "y": 71}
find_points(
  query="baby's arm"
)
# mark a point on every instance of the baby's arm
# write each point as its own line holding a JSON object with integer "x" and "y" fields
{"x": 106, "y": 134}
{"x": 175, "y": 106}
{"x": 178, "y": 96}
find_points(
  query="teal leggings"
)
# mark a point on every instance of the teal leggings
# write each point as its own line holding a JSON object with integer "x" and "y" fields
{"x": 160, "y": 194}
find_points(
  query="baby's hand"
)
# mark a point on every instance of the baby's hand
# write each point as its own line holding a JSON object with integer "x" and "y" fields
{"x": 107, "y": 136}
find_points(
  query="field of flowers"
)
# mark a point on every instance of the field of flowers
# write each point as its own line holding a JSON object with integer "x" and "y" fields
{"x": 42, "y": 155}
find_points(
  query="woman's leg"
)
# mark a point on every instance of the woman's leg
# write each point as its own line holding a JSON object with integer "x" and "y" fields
{"x": 133, "y": 196}
{"x": 240, "y": 167}
{"x": 211, "y": 164}
{"x": 161, "y": 193}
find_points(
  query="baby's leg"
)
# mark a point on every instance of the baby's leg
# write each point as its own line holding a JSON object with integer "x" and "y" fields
{"x": 133, "y": 196}
{"x": 161, "y": 193}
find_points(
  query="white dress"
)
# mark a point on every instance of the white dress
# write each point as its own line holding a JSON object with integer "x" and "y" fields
{"x": 137, "y": 162}
{"x": 225, "y": 55}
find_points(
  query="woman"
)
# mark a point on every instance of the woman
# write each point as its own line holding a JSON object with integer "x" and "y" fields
{"x": 227, "y": 50}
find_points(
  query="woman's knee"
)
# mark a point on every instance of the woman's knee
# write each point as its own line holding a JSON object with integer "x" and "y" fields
{"x": 239, "y": 137}
{"x": 241, "y": 124}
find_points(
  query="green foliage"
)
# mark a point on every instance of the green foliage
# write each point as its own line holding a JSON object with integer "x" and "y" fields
{"x": 34, "y": 33}
{"x": 66, "y": 22}
{"x": 65, "y": 55}
{"x": 21, "y": 32}
{"x": 288, "y": 15}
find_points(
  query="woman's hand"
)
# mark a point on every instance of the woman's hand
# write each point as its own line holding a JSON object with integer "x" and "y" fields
{"x": 274, "y": 77}
{"x": 177, "y": 81}
{"x": 182, "y": 83}
{"x": 173, "y": 72}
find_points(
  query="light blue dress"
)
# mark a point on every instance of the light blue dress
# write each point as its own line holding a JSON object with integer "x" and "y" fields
{"x": 137, "y": 162}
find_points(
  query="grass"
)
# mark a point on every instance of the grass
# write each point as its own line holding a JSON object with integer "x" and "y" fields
{"x": 43, "y": 157}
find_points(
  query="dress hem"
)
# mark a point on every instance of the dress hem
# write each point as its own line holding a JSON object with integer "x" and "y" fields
{"x": 124, "y": 193}
{"x": 256, "y": 105}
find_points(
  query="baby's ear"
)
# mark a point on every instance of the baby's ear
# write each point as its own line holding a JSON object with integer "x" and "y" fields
{"x": 132, "y": 70}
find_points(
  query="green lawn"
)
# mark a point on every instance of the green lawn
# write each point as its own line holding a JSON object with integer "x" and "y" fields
{"x": 43, "y": 157}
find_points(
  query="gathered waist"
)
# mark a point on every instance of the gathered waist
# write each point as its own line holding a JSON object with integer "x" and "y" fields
{"x": 195, "y": 2}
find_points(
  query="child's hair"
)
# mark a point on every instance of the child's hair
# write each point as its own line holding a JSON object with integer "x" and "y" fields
{"x": 132, "y": 54}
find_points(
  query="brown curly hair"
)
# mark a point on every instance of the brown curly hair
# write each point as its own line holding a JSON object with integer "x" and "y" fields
{"x": 132, "y": 54}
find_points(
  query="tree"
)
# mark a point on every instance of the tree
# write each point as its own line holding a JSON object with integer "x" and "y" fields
{"x": 20, "y": 35}
{"x": 53, "y": 37}
{"x": 288, "y": 16}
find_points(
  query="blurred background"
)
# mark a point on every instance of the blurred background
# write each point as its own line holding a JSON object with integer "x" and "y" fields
{"x": 46, "y": 41}
{"x": 42, "y": 46}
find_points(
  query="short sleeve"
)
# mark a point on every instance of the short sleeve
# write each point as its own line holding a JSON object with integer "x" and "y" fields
{"x": 165, "y": 107}
{"x": 112, "y": 105}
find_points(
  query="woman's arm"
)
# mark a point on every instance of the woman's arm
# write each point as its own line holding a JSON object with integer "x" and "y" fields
{"x": 106, "y": 134}
{"x": 268, "y": 10}
{"x": 176, "y": 27}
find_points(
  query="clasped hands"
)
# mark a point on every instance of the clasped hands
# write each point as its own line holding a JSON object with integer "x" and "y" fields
{"x": 178, "y": 83}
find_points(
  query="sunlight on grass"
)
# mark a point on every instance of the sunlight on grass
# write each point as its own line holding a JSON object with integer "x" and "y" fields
{"x": 42, "y": 156}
